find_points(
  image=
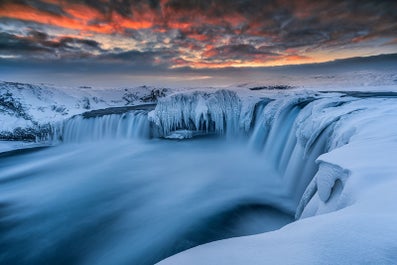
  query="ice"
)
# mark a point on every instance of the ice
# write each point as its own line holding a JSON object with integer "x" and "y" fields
{"x": 324, "y": 191}
{"x": 181, "y": 134}
{"x": 217, "y": 112}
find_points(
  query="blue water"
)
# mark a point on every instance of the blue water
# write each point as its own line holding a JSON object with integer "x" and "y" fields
{"x": 131, "y": 202}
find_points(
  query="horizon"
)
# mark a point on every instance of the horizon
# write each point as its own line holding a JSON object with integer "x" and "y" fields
{"x": 271, "y": 75}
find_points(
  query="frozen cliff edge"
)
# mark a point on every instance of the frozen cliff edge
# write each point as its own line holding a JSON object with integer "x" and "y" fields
{"x": 347, "y": 213}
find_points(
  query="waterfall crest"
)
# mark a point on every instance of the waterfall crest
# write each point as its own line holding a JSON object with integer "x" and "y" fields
{"x": 129, "y": 125}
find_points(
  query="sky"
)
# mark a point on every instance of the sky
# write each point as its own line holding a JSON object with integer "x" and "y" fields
{"x": 184, "y": 40}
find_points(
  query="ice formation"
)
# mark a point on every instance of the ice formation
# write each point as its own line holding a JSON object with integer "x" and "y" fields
{"x": 217, "y": 112}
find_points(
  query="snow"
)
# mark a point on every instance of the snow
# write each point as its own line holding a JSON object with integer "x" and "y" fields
{"x": 40, "y": 104}
{"x": 9, "y": 122}
{"x": 180, "y": 134}
{"x": 331, "y": 79}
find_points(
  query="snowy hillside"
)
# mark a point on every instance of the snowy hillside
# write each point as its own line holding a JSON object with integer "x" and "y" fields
{"x": 27, "y": 110}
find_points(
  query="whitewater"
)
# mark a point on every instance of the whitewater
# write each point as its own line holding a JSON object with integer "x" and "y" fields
{"x": 209, "y": 177}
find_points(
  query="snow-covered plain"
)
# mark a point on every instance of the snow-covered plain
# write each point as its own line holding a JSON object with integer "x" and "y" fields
{"x": 329, "y": 161}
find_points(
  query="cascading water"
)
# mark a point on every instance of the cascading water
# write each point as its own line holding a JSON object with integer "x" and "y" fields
{"x": 128, "y": 200}
{"x": 130, "y": 125}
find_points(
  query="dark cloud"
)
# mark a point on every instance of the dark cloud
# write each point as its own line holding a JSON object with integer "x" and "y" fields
{"x": 235, "y": 52}
{"x": 39, "y": 44}
{"x": 165, "y": 33}
{"x": 135, "y": 58}
{"x": 38, "y": 35}
{"x": 14, "y": 45}
{"x": 36, "y": 4}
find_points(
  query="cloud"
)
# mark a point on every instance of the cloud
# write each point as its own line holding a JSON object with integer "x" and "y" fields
{"x": 39, "y": 45}
{"x": 238, "y": 52}
{"x": 197, "y": 34}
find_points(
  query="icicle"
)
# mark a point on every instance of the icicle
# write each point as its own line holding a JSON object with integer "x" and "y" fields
{"x": 217, "y": 112}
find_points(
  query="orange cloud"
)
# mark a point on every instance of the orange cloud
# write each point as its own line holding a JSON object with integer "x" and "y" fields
{"x": 122, "y": 23}
{"x": 214, "y": 34}
{"x": 296, "y": 58}
{"x": 28, "y": 13}
{"x": 82, "y": 13}
{"x": 80, "y": 17}
{"x": 198, "y": 37}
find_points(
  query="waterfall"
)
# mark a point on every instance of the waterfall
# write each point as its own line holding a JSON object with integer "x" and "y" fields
{"x": 275, "y": 136}
{"x": 129, "y": 125}
{"x": 293, "y": 131}
{"x": 290, "y": 132}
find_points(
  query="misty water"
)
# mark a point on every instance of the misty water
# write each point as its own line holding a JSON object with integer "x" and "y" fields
{"x": 133, "y": 201}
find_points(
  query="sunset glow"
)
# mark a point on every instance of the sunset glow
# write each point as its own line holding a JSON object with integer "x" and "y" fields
{"x": 172, "y": 34}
